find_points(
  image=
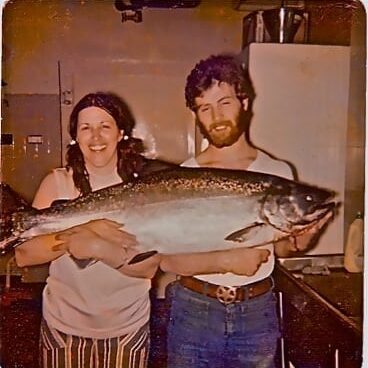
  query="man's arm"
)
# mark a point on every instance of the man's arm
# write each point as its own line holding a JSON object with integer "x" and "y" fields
{"x": 241, "y": 261}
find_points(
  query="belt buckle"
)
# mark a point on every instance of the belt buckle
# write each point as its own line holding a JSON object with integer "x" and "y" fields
{"x": 226, "y": 294}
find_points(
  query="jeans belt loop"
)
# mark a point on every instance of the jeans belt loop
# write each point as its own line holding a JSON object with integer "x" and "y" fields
{"x": 205, "y": 288}
{"x": 246, "y": 292}
{"x": 272, "y": 283}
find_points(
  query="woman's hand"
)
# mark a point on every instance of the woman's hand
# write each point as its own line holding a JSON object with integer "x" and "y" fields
{"x": 99, "y": 239}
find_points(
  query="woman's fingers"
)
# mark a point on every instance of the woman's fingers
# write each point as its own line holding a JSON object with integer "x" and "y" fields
{"x": 102, "y": 225}
{"x": 112, "y": 231}
{"x": 60, "y": 246}
{"x": 79, "y": 235}
{"x": 127, "y": 239}
{"x": 64, "y": 235}
{"x": 118, "y": 236}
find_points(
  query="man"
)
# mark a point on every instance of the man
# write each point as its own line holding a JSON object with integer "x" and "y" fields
{"x": 227, "y": 320}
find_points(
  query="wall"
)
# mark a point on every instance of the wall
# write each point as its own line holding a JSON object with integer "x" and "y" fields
{"x": 145, "y": 62}
{"x": 82, "y": 46}
{"x": 37, "y": 36}
{"x": 300, "y": 115}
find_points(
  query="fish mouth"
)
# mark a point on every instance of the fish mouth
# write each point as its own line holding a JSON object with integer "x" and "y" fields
{"x": 323, "y": 209}
{"x": 329, "y": 206}
{"x": 318, "y": 212}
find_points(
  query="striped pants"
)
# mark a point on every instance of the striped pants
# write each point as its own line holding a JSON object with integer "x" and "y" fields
{"x": 59, "y": 350}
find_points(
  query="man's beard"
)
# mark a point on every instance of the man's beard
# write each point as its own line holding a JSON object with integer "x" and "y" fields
{"x": 227, "y": 137}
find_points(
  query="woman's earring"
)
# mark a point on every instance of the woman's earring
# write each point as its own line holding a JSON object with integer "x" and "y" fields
{"x": 126, "y": 137}
{"x": 72, "y": 142}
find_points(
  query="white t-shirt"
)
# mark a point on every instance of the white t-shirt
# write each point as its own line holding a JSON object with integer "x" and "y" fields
{"x": 262, "y": 163}
{"x": 97, "y": 301}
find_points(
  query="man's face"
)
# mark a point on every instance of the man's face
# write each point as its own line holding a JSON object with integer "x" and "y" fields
{"x": 218, "y": 113}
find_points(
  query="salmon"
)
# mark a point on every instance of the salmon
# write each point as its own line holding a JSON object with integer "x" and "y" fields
{"x": 189, "y": 209}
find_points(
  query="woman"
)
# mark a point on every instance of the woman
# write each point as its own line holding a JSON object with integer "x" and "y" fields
{"x": 99, "y": 315}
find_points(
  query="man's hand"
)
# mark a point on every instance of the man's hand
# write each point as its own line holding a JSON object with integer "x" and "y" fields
{"x": 244, "y": 261}
{"x": 303, "y": 242}
{"x": 101, "y": 240}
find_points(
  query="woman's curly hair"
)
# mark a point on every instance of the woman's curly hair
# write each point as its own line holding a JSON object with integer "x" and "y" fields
{"x": 223, "y": 68}
{"x": 129, "y": 149}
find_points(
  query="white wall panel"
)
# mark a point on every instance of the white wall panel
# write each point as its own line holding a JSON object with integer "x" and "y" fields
{"x": 300, "y": 114}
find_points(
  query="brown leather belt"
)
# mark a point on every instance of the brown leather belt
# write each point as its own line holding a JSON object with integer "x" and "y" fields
{"x": 227, "y": 294}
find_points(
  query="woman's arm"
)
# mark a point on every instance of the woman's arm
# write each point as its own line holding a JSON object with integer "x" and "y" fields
{"x": 38, "y": 250}
{"x": 99, "y": 239}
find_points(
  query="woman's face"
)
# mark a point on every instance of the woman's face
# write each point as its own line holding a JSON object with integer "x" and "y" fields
{"x": 98, "y": 136}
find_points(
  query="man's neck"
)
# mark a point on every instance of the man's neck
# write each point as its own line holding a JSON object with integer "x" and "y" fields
{"x": 237, "y": 156}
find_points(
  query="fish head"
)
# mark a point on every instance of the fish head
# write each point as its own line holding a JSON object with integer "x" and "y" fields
{"x": 293, "y": 207}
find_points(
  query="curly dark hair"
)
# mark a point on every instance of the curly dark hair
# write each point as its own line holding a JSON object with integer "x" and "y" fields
{"x": 223, "y": 68}
{"x": 129, "y": 149}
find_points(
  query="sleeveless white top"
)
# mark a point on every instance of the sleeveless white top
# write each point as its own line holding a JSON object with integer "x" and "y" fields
{"x": 97, "y": 301}
{"x": 262, "y": 163}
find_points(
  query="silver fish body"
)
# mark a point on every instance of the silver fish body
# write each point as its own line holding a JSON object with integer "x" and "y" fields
{"x": 187, "y": 209}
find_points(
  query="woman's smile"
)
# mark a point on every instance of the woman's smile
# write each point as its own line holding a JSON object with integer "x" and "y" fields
{"x": 98, "y": 136}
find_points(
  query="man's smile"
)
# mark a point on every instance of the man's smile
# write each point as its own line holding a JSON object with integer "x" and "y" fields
{"x": 221, "y": 126}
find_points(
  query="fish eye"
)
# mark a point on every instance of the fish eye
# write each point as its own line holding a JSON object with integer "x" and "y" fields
{"x": 308, "y": 198}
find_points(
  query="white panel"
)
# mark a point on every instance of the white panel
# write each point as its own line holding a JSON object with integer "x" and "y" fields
{"x": 300, "y": 114}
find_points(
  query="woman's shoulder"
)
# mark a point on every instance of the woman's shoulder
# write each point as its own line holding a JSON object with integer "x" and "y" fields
{"x": 59, "y": 177}
{"x": 57, "y": 184}
{"x": 62, "y": 173}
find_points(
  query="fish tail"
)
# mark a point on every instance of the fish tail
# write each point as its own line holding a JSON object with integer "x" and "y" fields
{"x": 12, "y": 225}
{"x": 9, "y": 244}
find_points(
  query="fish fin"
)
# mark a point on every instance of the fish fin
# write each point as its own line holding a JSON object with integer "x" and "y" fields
{"x": 142, "y": 256}
{"x": 245, "y": 233}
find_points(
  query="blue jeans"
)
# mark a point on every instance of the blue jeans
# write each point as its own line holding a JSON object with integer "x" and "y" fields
{"x": 202, "y": 332}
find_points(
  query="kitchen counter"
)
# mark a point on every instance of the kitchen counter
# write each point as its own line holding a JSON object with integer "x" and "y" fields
{"x": 322, "y": 312}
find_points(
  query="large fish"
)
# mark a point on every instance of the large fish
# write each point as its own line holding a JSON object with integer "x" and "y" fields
{"x": 189, "y": 210}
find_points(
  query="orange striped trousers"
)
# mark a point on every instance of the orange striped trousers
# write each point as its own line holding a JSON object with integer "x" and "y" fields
{"x": 59, "y": 350}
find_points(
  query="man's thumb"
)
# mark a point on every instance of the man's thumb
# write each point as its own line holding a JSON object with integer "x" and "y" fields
{"x": 265, "y": 253}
